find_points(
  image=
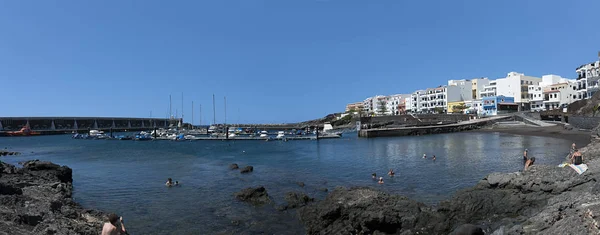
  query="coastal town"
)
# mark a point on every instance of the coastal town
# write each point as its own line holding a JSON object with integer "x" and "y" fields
{"x": 489, "y": 97}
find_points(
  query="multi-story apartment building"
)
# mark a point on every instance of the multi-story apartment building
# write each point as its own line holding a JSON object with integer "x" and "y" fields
{"x": 415, "y": 101}
{"x": 477, "y": 86}
{"x": 587, "y": 79}
{"x": 558, "y": 96}
{"x": 395, "y": 104}
{"x": 358, "y": 106}
{"x": 376, "y": 105}
{"x": 514, "y": 85}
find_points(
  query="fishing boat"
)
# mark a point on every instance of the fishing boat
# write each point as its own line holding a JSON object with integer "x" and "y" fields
{"x": 25, "y": 131}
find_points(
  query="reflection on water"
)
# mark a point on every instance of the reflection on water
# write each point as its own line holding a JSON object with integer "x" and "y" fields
{"x": 127, "y": 176}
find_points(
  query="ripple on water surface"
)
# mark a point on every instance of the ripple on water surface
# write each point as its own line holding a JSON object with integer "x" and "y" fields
{"x": 128, "y": 177}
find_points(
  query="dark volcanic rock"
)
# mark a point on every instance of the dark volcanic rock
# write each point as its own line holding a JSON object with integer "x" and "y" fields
{"x": 247, "y": 169}
{"x": 233, "y": 166}
{"x": 296, "y": 200}
{"x": 37, "y": 200}
{"x": 368, "y": 211}
{"x": 256, "y": 196}
{"x": 467, "y": 229}
{"x": 8, "y": 153}
{"x": 542, "y": 200}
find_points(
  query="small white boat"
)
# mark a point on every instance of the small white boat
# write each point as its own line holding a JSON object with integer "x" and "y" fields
{"x": 280, "y": 135}
{"x": 232, "y": 135}
{"x": 96, "y": 132}
{"x": 263, "y": 135}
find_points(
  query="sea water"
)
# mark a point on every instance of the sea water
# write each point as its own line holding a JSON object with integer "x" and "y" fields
{"x": 127, "y": 177}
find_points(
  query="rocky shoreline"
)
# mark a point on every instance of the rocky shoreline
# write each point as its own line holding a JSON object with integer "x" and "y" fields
{"x": 36, "y": 199}
{"x": 542, "y": 200}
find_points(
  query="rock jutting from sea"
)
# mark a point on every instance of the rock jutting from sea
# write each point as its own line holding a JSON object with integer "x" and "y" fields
{"x": 36, "y": 199}
{"x": 542, "y": 200}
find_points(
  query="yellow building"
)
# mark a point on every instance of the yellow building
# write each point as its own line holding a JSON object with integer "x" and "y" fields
{"x": 451, "y": 106}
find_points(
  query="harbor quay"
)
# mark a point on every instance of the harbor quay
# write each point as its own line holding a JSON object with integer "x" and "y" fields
{"x": 63, "y": 125}
{"x": 67, "y": 125}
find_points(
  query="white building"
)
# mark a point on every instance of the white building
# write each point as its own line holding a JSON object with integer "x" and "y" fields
{"x": 459, "y": 90}
{"x": 394, "y": 104}
{"x": 478, "y": 85}
{"x": 587, "y": 79}
{"x": 536, "y": 97}
{"x": 415, "y": 103}
{"x": 474, "y": 107}
{"x": 514, "y": 85}
{"x": 558, "y": 96}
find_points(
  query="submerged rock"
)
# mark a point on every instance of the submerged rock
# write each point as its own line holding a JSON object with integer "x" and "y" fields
{"x": 256, "y": 196}
{"x": 8, "y": 153}
{"x": 296, "y": 200}
{"x": 301, "y": 184}
{"x": 247, "y": 169}
{"x": 36, "y": 199}
{"x": 233, "y": 166}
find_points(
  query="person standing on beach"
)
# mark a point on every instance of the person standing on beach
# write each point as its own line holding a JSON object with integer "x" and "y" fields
{"x": 112, "y": 227}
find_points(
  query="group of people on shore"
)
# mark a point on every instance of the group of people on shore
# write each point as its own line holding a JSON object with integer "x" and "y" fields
{"x": 575, "y": 157}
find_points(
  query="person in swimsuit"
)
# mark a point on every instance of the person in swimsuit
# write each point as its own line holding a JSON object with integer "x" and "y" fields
{"x": 374, "y": 176}
{"x": 528, "y": 163}
{"x": 424, "y": 155}
{"x": 434, "y": 158}
{"x": 380, "y": 180}
{"x": 114, "y": 226}
{"x": 391, "y": 173}
{"x": 525, "y": 155}
{"x": 577, "y": 158}
{"x": 169, "y": 182}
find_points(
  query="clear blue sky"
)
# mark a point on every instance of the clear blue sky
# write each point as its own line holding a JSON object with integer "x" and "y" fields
{"x": 276, "y": 61}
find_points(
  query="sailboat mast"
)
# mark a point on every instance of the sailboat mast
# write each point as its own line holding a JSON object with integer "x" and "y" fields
{"x": 170, "y": 109}
{"x": 225, "y": 98}
{"x": 192, "y": 113}
{"x": 200, "y": 115}
{"x": 181, "y": 106}
{"x": 214, "y": 111}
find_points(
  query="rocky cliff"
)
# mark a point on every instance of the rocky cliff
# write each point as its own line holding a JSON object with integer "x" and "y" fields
{"x": 542, "y": 200}
{"x": 36, "y": 199}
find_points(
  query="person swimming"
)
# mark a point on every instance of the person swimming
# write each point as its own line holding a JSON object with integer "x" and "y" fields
{"x": 434, "y": 158}
{"x": 380, "y": 180}
{"x": 391, "y": 173}
{"x": 374, "y": 176}
{"x": 169, "y": 182}
{"x": 176, "y": 183}
{"x": 424, "y": 155}
{"x": 525, "y": 155}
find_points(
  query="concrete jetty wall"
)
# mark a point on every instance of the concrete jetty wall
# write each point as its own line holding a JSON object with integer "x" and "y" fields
{"x": 433, "y": 129}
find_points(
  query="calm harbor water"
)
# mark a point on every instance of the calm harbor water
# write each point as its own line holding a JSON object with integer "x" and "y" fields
{"x": 128, "y": 177}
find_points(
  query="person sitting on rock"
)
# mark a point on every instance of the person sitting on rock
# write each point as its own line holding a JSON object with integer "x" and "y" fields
{"x": 114, "y": 226}
{"x": 577, "y": 158}
{"x": 528, "y": 163}
{"x": 380, "y": 180}
{"x": 391, "y": 173}
{"x": 374, "y": 176}
{"x": 169, "y": 182}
